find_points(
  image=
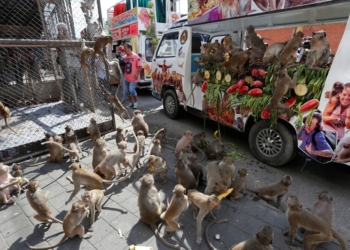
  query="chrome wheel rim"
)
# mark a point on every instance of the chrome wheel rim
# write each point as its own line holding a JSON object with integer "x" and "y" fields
{"x": 170, "y": 104}
{"x": 269, "y": 142}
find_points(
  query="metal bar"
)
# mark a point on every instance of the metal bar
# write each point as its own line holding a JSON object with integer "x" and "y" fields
{"x": 99, "y": 12}
{"x": 31, "y": 42}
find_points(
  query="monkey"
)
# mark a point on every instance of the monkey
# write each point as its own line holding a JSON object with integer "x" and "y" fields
{"x": 278, "y": 189}
{"x": 214, "y": 149}
{"x": 178, "y": 204}
{"x": 5, "y": 113}
{"x": 157, "y": 165}
{"x": 215, "y": 182}
{"x": 227, "y": 169}
{"x": 82, "y": 176}
{"x": 232, "y": 50}
{"x": 73, "y": 152}
{"x": 185, "y": 176}
{"x": 84, "y": 56}
{"x": 151, "y": 206}
{"x": 197, "y": 81}
{"x": 106, "y": 166}
{"x": 286, "y": 56}
{"x": 323, "y": 207}
{"x": 38, "y": 201}
{"x": 195, "y": 167}
{"x": 71, "y": 224}
{"x": 299, "y": 217}
{"x": 93, "y": 199}
{"x": 273, "y": 52}
{"x": 238, "y": 184}
{"x": 238, "y": 60}
{"x": 48, "y": 137}
{"x": 119, "y": 136}
{"x": 255, "y": 42}
{"x": 115, "y": 72}
{"x": 228, "y": 41}
{"x": 157, "y": 148}
{"x": 141, "y": 139}
{"x": 133, "y": 160}
{"x": 93, "y": 130}
{"x": 284, "y": 82}
{"x": 207, "y": 51}
{"x": 186, "y": 140}
{"x": 205, "y": 203}
{"x": 99, "y": 152}
{"x": 319, "y": 52}
{"x": 70, "y": 137}
{"x": 185, "y": 152}
{"x": 117, "y": 104}
{"x": 207, "y": 230}
{"x": 101, "y": 42}
{"x": 160, "y": 135}
{"x": 262, "y": 241}
{"x": 7, "y": 185}
{"x": 138, "y": 123}
{"x": 199, "y": 141}
{"x": 17, "y": 170}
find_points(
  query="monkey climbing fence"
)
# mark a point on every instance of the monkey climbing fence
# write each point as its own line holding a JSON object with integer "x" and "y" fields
{"x": 40, "y": 80}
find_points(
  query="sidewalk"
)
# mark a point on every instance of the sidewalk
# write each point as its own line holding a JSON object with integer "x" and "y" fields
{"x": 120, "y": 211}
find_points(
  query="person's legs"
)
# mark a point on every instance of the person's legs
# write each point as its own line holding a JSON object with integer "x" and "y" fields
{"x": 128, "y": 93}
{"x": 132, "y": 89}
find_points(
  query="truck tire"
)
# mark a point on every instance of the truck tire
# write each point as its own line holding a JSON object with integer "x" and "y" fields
{"x": 171, "y": 104}
{"x": 274, "y": 147}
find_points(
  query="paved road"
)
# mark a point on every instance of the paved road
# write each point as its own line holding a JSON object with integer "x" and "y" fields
{"x": 120, "y": 210}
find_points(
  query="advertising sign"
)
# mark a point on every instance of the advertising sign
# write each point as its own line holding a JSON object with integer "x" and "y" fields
{"x": 125, "y": 31}
{"x": 128, "y": 17}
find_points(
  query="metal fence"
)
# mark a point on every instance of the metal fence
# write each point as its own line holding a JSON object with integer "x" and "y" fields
{"x": 40, "y": 77}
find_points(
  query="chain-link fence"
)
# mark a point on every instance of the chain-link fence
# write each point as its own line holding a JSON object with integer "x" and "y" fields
{"x": 40, "y": 78}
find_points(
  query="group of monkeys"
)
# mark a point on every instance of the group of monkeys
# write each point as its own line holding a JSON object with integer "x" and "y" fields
{"x": 220, "y": 182}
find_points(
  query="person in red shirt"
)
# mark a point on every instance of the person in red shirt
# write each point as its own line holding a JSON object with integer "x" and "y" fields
{"x": 133, "y": 66}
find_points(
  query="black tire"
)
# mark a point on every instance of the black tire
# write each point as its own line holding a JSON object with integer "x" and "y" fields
{"x": 279, "y": 150}
{"x": 171, "y": 104}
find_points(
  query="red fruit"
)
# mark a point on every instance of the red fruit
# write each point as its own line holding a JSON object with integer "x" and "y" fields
{"x": 255, "y": 92}
{"x": 309, "y": 105}
{"x": 231, "y": 89}
{"x": 255, "y": 72}
{"x": 257, "y": 84}
{"x": 243, "y": 90}
{"x": 204, "y": 86}
{"x": 240, "y": 83}
{"x": 265, "y": 114}
{"x": 262, "y": 73}
{"x": 290, "y": 102}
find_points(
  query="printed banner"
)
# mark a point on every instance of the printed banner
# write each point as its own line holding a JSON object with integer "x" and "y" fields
{"x": 125, "y": 32}
{"x": 128, "y": 17}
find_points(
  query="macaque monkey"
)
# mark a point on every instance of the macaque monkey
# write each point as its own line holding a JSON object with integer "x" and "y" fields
{"x": 5, "y": 113}
{"x": 86, "y": 52}
{"x": 197, "y": 81}
{"x": 195, "y": 167}
{"x": 38, "y": 201}
{"x": 71, "y": 224}
{"x": 185, "y": 176}
{"x": 255, "y": 43}
{"x": 228, "y": 41}
{"x": 273, "y": 52}
{"x": 48, "y": 137}
{"x": 262, "y": 241}
{"x": 133, "y": 160}
{"x": 7, "y": 184}
{"x": 227, "y": 169}
{"x": 319, "y": 52}
{"x": 207, "y": 51}
{"x": 278, "y": 189}
{"x": 291, "y": 47}
{"x": 93, "y": 130}
{"x": 93, "y": 199}
{"x": 115, "y": 73}
{"x": 73, "y": 152}
{"x": 205, "y": 203}
{"x": 138, "y": 123}
{"x": 106, "y": 166}
{"x": 323, "y": 207}
{"x": 238, "y": 60}
{"x": 178, "y": 204}
{"x": 239, "y": 184}
{"x": 299, "y": 217}
{"x": 186, "y": 140}
{"x": 17, "y": 170}
{"x": 70, "y": 137}
{"x": 214, "y": 149}
{"x": 119, "y": 136}
{"x": 199, "y": 141}
{"x": 157, "y": 165}
{"x": 101, "y": 42}
{"x": 151, "y": 206}
{"x": 99, "y": 152}
{"x": 160, "y": 135}
{"x": 82, "y": 176}
{"x": 185, "y": 152}
{"x": 215, "y": 182}
{"x": 157, "y": 148}
{"x": 141, "y": 139}
{"x": 117, "y": 104}
{"x": 284, "y": 82}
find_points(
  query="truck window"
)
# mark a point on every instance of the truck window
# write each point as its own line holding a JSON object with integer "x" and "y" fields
{"x": 197, "y": 41}
{"x": 168, "y": 45}
{"x": 148, "y": 50}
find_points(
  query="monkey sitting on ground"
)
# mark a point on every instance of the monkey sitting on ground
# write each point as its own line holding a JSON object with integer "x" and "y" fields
{"x": 93, "y": 199}
{"x": 273, "y": 52}
{"x": 195, "y": 167}
{"x": 185, "y": 152}
{"x": 84, "y": 56}
{"x": 185, "y": 176}
{"x": 119, "y": 136}
{"x": 133, "y": 160}
{"x": 151, "y": 206}
{"x": 38, "y": 201}
{"x": 255, "y": 43}
{"x": 141, "y": 139}
{"x": 48, "y": 137}
{"x": 186, "y": 140}
{"x": 5, "y": 113}
{"x": 99, "y": 152}
{"x": 291, "y": 47}
{"x": 278, "y": 189}
{"x": 199, "y": 141}
{"x": 71, "y": 224}
{"x": 205, "y": 203}
{"x": 157, "y": 148}
{"x": 260, "y": 241}
{"x": 299, "y": 217}
{"x": 138, "y": 123}
{"x": 17, "y": 172}
{"x": 215, "y": 182}
{"x": 236, "y": 61}
{"x": 214, "y": 149}
{"x": 319, "y": 52}
{"x": 239, "y": 184}
{"x": 70, "y": 137}
{"x": 8, "y": 184}
{"x": 178, "y": 204}
{"x": 93, "y": 130}
{"x": 157, "y": 165}
{"x": 117, "y": 104}
{"x": 227, "y": 169}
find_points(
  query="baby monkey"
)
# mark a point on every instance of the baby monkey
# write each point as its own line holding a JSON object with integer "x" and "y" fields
{"x": 84, "y": 56}
{"x": 5, "y": 113}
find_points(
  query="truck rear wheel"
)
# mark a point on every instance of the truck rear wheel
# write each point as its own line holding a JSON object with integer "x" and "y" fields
{"x": 171, "y": 104}
{"x": 274, "y": 147}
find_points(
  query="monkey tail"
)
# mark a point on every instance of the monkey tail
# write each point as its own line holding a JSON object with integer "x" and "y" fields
{"x": 37, "y": 164}
{"x": 48, "y": 247}
{"x": 340, "y": 239}
{"x": 207, "y": 230}
{"x": 155, "y": 231}
{"x": 109, "y": 187}
{"x": 155, "y": 136}
{"x": 53, "y": 142}
{"x": 54, "y": 219}
{"x": 9, "y": 126}
{"x": 199, "y": 151}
